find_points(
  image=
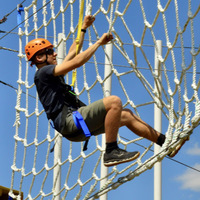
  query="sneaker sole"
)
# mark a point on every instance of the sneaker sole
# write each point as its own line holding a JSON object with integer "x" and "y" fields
{"x": 176, "y": 150}
{"x": 110, "y": 164}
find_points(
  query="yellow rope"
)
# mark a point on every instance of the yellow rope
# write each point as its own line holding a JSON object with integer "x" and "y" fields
{"x": 74, "y": 73}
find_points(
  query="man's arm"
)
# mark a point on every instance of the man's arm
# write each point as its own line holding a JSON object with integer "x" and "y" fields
{"x": 80, "y": 59}
{"x": 88, "y": 21}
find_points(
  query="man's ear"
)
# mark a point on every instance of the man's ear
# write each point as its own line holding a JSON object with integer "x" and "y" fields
{"x": 35, "y": 60}
{"x": 39, "y": 58}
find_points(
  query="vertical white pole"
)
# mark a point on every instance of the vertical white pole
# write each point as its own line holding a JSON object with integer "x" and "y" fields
{"x": 158, "y": 127}
{"x": 58, "y": 141}
{"x": 107, "y": 87}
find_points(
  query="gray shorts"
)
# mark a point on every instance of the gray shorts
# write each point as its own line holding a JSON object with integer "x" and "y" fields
{"x": 94, "y": 117}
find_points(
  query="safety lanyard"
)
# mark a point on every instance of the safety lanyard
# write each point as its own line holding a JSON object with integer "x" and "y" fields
{"x": 74, "y": 73}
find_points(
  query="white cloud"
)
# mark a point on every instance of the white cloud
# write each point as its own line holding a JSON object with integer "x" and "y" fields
{"x": 195, "y": 150}
{"x": 190, "y": 179}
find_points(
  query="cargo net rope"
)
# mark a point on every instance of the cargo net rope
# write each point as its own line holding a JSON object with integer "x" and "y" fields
{"x": 69, "y": 172}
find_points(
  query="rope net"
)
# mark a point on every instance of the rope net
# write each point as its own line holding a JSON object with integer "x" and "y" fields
{"x": 136, "y": 26}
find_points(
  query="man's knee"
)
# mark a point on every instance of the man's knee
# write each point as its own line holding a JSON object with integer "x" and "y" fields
{"x": 112, "y": 101}
{"x": 116, "y": 101}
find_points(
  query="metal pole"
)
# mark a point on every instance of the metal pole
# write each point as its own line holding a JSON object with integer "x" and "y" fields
{"x": 157, "y": 126}
{"x": 58, "y": 141}
{"x": 107, "y": 87}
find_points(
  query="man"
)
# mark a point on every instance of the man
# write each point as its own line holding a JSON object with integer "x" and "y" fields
{"x": 103, "y": 116}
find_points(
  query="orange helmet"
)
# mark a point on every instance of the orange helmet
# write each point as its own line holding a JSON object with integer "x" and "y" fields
{"x": 36, "y": 45}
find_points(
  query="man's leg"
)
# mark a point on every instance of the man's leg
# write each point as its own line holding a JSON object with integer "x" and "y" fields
{"x": 114, "y": 155}
{"x": 137, "y": 126}
{"x": 113, "y": 108}
{"x": 142, "y": 129}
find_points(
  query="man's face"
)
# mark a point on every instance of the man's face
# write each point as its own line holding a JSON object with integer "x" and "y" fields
{"x": 48, "y": 54}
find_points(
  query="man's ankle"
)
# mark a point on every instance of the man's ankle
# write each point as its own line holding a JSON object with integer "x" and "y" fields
{"x": 161, "y": 140}
{"x": 110, "y": 146}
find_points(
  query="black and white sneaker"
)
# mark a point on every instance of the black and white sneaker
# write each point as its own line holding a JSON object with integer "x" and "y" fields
{"x": 118, "y": 156}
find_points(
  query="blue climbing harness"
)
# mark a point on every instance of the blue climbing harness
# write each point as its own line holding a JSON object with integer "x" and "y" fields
{"x": 80, "y": 124}
{"x": 77, "y": 117}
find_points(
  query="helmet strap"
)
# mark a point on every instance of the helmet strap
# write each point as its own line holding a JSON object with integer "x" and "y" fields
{"x": 46, "y": 59}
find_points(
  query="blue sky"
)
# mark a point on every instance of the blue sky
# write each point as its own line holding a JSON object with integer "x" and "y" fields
{"x": 179, "y": 182}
